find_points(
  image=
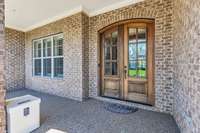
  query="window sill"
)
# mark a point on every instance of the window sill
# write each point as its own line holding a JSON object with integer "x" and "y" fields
{"x": 48, "y": 78}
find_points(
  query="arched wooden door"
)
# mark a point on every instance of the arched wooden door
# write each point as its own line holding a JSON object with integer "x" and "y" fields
{"x": 127, "y": 63}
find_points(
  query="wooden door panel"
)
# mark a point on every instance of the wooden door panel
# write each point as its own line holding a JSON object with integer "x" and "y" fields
{"x": 112, "y": 88}
{"x": 137, "y": 97}
{"x": 135, "y": 87}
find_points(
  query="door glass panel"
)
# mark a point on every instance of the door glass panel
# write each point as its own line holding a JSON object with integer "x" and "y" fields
{"x": 141, "y": 68}
{"x": 132, "y": 68}
{"x": 141, "y": 35}
{"x": 114, "y": 68}
{"x": 107, "y": 68}
{"x": 114, "y": 52}
{"x": 132, "y": 35}
{"x": 108, "y": 40}
{"x": 141, "y": 51}
{"x": 142, "y": 43}
{"x": 110, "y": 54}
{"x": 132, "y": 52}
{"x": 114, "y": 38}
{"x": 137, "y": 52}
{"x": 107, "y": 53}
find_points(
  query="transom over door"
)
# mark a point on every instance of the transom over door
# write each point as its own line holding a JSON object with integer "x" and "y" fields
{"x": 127, "y": 65}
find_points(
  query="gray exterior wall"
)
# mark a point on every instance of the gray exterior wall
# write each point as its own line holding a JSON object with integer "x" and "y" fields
{"x": 14, "y": 59}
{"x": 187, "y": 65}
{"x": 73, "y": 84}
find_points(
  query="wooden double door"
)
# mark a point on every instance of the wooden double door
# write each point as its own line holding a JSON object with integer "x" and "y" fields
{"x": 127, "y": 61}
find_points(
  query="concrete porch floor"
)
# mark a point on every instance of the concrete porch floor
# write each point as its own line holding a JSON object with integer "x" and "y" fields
{"x": 90, "y": 116}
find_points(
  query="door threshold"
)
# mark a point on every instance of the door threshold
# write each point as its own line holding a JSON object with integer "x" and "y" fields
{"x": 129, "y": 101}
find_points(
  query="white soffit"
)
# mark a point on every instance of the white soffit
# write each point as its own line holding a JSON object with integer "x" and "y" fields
{"x": 26, "y": 15}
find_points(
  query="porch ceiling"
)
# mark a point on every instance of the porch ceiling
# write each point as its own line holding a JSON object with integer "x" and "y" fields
{"x": 29, "y": 14}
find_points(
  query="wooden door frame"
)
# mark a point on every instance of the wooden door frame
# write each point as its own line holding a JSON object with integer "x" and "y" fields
{"x": 151, "y": 22}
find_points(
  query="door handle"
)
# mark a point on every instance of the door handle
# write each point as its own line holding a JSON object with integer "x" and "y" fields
{"x": 125, "y": 71}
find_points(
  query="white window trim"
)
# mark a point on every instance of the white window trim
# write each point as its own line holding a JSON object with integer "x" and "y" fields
{"x": 52, "y": 57}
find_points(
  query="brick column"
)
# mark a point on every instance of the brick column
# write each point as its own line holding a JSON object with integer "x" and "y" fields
{"x": 2, "y": 49}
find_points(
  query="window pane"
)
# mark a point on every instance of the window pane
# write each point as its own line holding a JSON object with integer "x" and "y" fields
{"x": 132, "y": 51}
{"x": 114, "y": 68}
{"x": 114, "y": 52}
{"x": 58, "y": 67}
{"x": 114, "y": 38}
{"x": 141, "y": 44}
{"x": 58, "y": 46}
{"x": 132, "y": 69}
{"x": 107, "y": 68}
{"x": 108, "y": 40}
{"x": 107, "y": 52}
{"x": 142, "y": 51}
{"x": 37, "y": 67}
{"x": 132, "y": 36}
{"x": 142, "y": 35}
{"x": 47, "y": 67}
{"x": 47, "y": 47}
{"x": 142, "y": 68}
{"x": 37, "y": 48}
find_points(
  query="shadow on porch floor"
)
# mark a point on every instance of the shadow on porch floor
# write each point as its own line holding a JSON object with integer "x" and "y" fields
{"x": 69, "y": 116}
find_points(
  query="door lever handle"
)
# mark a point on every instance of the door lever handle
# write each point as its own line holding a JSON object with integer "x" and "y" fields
{"x": 125, "y": 71}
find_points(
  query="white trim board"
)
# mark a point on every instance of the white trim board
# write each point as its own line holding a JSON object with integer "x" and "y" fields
{"x": 74, "y": 11}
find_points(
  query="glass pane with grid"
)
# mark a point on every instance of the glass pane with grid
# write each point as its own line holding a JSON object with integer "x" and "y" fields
{"x": 137, "y": 58}
{"x": 111, "y": 54}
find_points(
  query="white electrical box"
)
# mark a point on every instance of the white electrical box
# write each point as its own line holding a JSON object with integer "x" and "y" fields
{"x": 23, "y": 114}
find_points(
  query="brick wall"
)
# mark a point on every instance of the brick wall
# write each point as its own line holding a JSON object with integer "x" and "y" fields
{"x": 2, "y": 70}
{"x": 15, "y": 59}
{"x": 187, "y": 65}
{"x": 75, "y": 43}
{"x": 161, "y": 11}
{"x": 85, "y": 60}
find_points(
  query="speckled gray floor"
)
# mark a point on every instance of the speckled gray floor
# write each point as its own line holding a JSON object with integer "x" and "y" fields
{"x": 91, "y": 117}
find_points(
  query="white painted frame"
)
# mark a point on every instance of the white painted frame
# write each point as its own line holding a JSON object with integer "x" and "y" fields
{"x": 52, "y": 57}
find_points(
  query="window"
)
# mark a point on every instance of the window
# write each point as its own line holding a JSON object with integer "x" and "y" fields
{"x": 48, "y": 57}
